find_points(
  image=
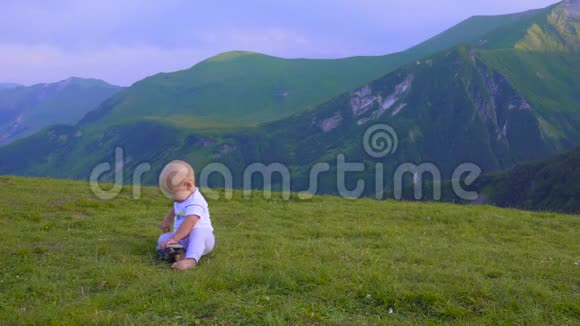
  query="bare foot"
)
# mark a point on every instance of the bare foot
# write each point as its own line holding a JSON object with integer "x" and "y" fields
{"x": 184, "y": 264}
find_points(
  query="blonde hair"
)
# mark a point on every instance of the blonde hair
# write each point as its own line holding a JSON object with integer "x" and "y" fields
{"x": 174, "y": 174}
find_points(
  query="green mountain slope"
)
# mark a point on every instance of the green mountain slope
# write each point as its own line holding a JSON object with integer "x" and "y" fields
{"x": 320, "y": 261}
{"x": 549, "y": 185}
{"x": 455, "y": 107}
{"x": 25, "y": 110}
{"x": 554, "y": 29}
{"x": 239, "y": 89}
{"x": 552, "y": 185}
{"x": 548, "y": 80}
{"x": 476, "y": 31}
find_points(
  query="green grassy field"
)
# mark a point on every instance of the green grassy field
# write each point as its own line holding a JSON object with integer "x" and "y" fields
{"x": 67, "y": 257}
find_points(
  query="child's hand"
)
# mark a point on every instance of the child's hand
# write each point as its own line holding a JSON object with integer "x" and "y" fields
{"x": 171, "y": 242}
{"x": 165, "y": 244}
{"x": 164, "y": 226}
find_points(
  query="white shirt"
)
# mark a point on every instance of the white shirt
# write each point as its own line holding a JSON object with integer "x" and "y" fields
{"x": 195, "y": 204}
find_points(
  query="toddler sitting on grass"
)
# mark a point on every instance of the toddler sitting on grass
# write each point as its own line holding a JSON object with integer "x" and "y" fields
{"x": 192, "y": 226}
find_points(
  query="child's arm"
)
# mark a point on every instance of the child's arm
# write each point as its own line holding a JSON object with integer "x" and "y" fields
{"x": 166, "y": 223}
{"x": 184, "y": 229}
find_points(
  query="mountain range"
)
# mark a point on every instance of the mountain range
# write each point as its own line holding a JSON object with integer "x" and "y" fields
{"x": 493, "y": 90}
{"x": 25, "y": 110}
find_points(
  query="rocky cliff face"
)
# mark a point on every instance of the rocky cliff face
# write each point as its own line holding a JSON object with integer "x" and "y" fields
{"x": 509, "y": 117}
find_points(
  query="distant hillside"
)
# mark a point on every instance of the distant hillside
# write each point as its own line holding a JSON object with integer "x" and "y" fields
{"x": 552, "y": 29}
{"x": 477, "y": 30}
{"x": 557, "y": 30}
{"x": 238, "y": 89}
{"x": 552, "y": 185}
{"x": 25, "y": 110}
{"x": 549, "y": 185}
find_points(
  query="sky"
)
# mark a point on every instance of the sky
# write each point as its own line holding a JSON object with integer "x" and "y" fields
{"x": 122, "y": 42}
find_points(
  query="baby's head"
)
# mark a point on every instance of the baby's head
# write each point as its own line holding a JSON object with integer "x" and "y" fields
{"x": 177, "y": 180}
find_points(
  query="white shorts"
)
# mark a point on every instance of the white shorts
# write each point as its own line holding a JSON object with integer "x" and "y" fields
{"x": 200, "y": 242}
